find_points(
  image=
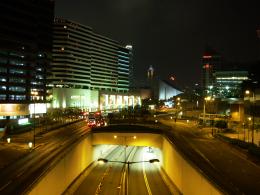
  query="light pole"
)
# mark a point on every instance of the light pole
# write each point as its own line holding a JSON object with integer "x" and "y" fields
{"x": 208, "y": 98}
{"x": 244, "y": 131}
{"x": 34, "y": 94}
{"x": 125, "y": 139}
{"x": 103, "y": 160}
{"x": 125, "y": 162}
{"x": 252, "y": 112}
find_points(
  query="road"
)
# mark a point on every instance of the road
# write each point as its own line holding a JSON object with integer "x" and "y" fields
{"x": 144, "y": 178}
{"x": 225, "y": 165}
{"x": 19, "y": 175}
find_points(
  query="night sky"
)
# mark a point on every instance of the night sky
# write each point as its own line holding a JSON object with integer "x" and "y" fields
{"x": 171, "y": 35}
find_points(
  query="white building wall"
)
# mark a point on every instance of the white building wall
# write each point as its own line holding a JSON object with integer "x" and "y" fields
{"x": 166, "y": 91}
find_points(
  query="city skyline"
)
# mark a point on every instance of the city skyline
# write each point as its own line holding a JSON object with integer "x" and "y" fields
{"x": 172, "y": 36}
{"x": 73, "y": 122}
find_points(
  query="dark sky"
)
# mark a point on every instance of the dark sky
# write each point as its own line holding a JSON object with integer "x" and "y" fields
{"x": 171, "y": 35}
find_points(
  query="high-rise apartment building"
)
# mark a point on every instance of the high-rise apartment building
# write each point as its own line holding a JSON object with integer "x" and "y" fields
{"x": 25, "y": 55}
{"x": 86, "y": 60}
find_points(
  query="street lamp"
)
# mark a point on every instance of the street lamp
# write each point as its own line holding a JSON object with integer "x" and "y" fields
{"x": 30, "y": 145}
{"x": 247, "y": 92}
{"x": 244, "y": 132}
{"x": 104, "y": 160}
{"x": 208, "y": 98}
{"x": 125, "y": 139}
{"x": 34, "y": 94}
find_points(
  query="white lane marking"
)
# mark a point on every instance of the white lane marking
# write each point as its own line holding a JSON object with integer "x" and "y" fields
{"x": 99, "y": 188}
{"x": 4, "y": 186}
{"x": 146, "y": 180}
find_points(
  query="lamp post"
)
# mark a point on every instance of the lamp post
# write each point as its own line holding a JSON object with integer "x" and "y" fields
{"x": 252, "y": 112}
{"x": 34, "y": 94}
{"x": 125, "y": 162}
{"x": 208, "y": 98}
{"x": 125, "y": 139}
{"x": 244, "y": 132}
{"x": 103, "y": 160}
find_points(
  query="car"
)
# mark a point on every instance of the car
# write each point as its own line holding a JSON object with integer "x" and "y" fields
{"x": 92, "y": 122}
{"x": 96, "y": 122}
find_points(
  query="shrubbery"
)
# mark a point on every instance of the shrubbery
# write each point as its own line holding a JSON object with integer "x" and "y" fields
{"x": 221, "y": 124}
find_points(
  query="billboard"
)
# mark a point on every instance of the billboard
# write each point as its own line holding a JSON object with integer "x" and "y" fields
{"x": 14, "y": 109}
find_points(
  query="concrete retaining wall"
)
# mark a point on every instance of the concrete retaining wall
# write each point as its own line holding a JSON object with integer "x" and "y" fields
{"x": 187, "y": 178}
{"x": 74, "y": 162}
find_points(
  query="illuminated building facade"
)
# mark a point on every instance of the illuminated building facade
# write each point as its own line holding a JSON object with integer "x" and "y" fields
{"x": 85, "y": 63}
{"x": 164, "y": 90}
{"x": 228, "y": 83}
{"x": 131, "y": 65}
{"x": 25, "y": 55}
{"x": 71, "y": 66}
{"x": 150, "y": 73}
{"x": 83, "y": 59}
{"x": 124, "y": 61}
{"x": 210, "y": 62}
{"x": 221, "y": 80}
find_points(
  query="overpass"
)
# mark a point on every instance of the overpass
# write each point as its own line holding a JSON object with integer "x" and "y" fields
{"x": 181, "y": 173}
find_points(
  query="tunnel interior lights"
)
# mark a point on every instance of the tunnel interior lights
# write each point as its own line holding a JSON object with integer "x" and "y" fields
{"x": 103, "y": 160}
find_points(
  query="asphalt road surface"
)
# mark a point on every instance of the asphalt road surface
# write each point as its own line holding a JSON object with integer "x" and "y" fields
{"x": 144, "y": 178}
{"x": 18, "y": 176}
{"x": 225, "y": 165}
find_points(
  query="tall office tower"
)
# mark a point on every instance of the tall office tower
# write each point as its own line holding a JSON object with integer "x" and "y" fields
{"x": 25, "y": 54}
{"x": 123, "y": 69}
{"x": 258, "y": 35}
{"x": 211, "y": 62}
{"x": 104, "y": 63}
{"x": 131, "y": 65}
{"x": 83, "y": 59}
{"x": 71, "y": 66}
{"x": 228, "y": 83}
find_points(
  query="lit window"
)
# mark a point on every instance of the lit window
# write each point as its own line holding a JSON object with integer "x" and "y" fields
{"x": 20, "y": 89}
{"x": 2, "y": 97}
{"x": 2, "y": 79}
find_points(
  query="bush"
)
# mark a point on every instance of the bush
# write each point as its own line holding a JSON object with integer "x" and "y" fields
{"x": 254, "y": 150}
{"x": 221, "y": 124}
{"x": 228, "y": 130}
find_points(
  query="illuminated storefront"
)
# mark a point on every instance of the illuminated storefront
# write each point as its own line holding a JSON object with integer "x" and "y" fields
{"x": 92, "y": 100}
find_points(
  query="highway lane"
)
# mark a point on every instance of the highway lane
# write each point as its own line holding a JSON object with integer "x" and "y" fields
{"x": 19, "y": 175}
{"x": 144, "y": 178}
{"x": 97, "y": 182}
{"x": 114, "y": 182}
{"x": 224, "y": 164}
